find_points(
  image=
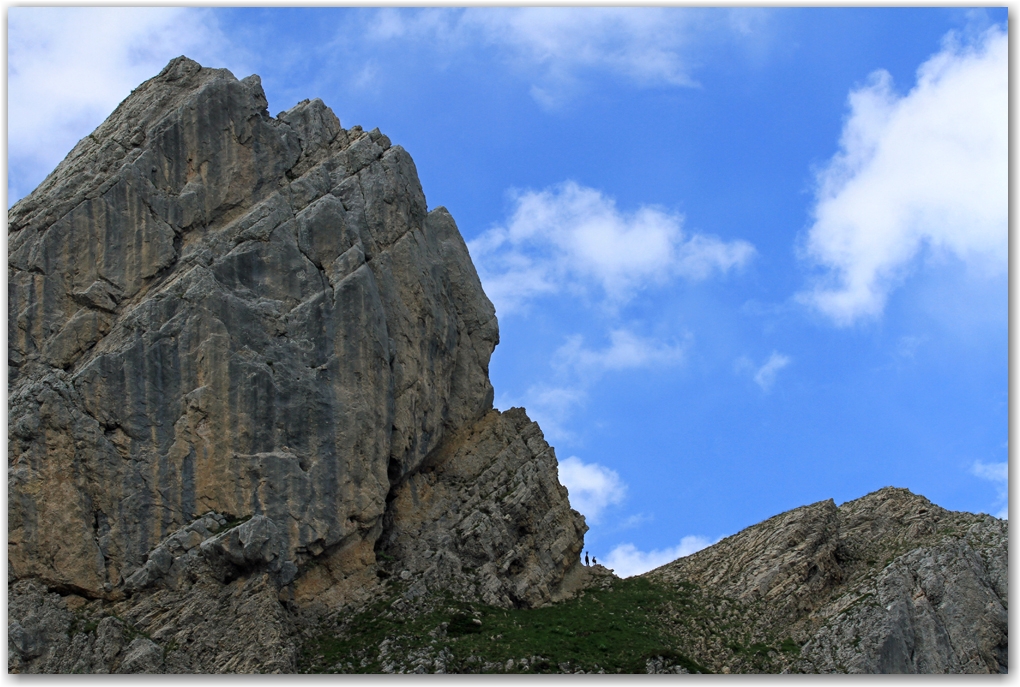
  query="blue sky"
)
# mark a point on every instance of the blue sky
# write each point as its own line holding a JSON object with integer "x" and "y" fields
{"x": 743, "y": 259}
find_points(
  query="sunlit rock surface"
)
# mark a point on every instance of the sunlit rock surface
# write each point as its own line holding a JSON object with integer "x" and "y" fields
{"x": 222, "y": 320}
{"x": 888, "y": 583}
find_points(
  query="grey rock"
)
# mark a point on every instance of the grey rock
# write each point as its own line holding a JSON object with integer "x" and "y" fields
{"x": 657, "y": 665}
{"x": 219, "y": 316}
{"x": 207, "y": 627}
{"x": 169, "y": 555}
{"x": 192, "y": 298}
{"x": 257, "y": 544}
{"x": 888, "y": 583}
{"x": 938, "y": 608}
{"x": 38, "y": 624}
{"x": 145, "y": 576}
{"x": 287, "y": 573}
{"x": 56, "y": 634}
{"x": 142, "y": 656}
{"x": 495, "y": 529}
{"x": 101, "y": 295}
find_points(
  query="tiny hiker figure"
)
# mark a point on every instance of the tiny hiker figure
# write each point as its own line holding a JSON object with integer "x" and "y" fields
{"x": 586, "y": 558}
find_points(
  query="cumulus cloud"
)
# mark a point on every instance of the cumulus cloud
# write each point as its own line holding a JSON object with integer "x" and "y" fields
{"x": 999, "y": 474}
{"x": 573, "y": 239}
{"x": 69, "y": 67}
{"x": 928, "y": 169}
{"x": 592, "y": 487}
{"x": 557, "y": 46}
{"x": 627, "y": 560}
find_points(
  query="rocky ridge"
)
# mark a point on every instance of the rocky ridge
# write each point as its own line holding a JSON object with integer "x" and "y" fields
{"x": 888, "y": 583}
{"x": 240, "y": 349}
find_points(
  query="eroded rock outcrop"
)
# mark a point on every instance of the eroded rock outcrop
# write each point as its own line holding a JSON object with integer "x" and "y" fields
{"x": 888, "y": 583}
{"x": 218, "y": 316}
{"x": 489, "y": 528}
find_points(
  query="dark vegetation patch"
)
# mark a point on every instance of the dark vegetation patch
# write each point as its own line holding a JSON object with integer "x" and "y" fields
{"x": 80, "y": 624}
{"x": 233, "y": 521}
{"x": 616, "y": 630}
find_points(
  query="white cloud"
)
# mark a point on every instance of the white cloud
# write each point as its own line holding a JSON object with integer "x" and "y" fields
{"x": 551, "y": 407}
{"x": 764, "y": 375}
{"x": 578, "y": 367}
{"x": 928, "y": 169}
{"x": 592, "y": 487}
{"x": 626, "y": 560}
{"x": 69, "y": 67}
{"x": 998, "y": 473}
{"x": 644, "y": 46}
{"x": 570, "y": 238}
{"x": 626, "y": 350}
{"x": 555, "y": 47}
{"x": 634, "y": 521}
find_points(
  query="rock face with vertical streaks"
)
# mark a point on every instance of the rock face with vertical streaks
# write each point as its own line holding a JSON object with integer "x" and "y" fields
{"x": 235, "y": 342}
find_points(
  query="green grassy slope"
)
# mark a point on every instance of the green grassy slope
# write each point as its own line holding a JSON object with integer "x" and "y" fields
{"x": 618, "y": 629}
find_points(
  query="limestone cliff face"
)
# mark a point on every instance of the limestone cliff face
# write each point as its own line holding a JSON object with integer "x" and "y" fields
{"x": 497, "y": 520}
{"x": 219, "y": 317}
{"x": 888, "y": 583}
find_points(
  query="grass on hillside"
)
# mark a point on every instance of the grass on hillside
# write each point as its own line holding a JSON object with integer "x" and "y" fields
{"x": 616, "y": 630}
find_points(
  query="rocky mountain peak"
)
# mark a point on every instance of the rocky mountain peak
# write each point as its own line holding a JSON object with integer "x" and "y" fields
{"x": 243, "y": 351}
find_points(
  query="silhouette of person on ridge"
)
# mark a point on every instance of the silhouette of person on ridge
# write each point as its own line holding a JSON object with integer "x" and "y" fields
{"x": 586, "y": 558}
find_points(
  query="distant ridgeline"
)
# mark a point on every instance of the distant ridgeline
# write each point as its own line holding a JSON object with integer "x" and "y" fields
{"x": 251, "y": 430}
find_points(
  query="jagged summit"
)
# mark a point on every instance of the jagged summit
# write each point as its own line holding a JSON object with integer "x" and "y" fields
{"x": 242, "y": 351}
